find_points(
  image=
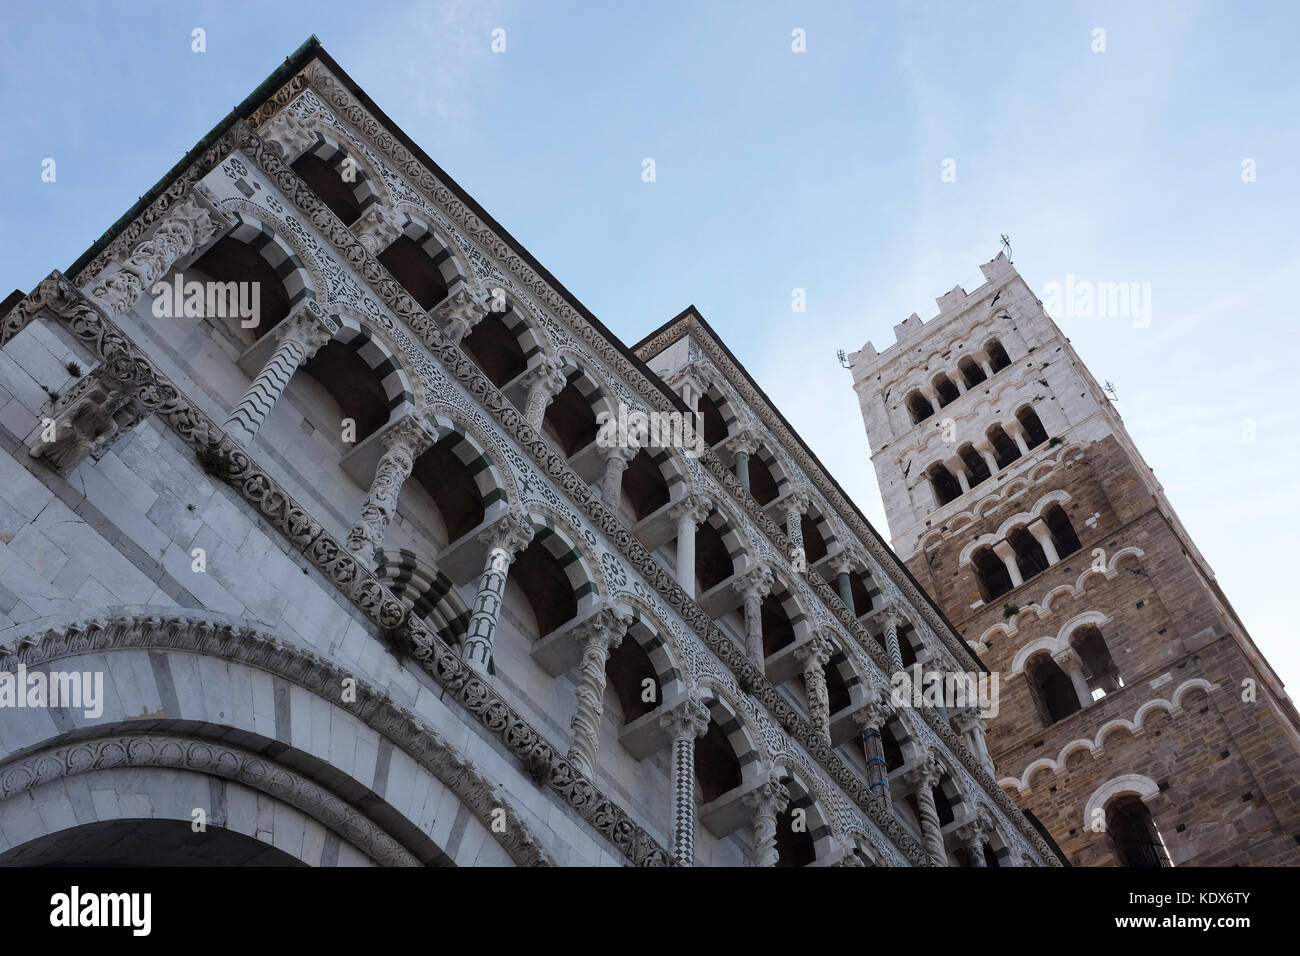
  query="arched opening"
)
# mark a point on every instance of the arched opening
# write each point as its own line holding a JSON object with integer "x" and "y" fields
{"x": 495, "y": 349}
{"x": 892, "y": 752}
{"x": 862, "y": 603}
{"x": 410, "y": 264}
{"x": 778, "y": 632}
{"x": 325, "y": 179}
{"x": 1053, "y": 691}
{"x": 945, "y": 390}
{"x": 1133, "y": 834}
{"x": 990, "y": 856}
{"x": 1058, "y": 524}
{"x": 230, "y": 260}
{"x": 1004, "y": 449}
{"x": 762, "y": 485}
{"x": 990, "y": 574}
{"x": 998, "y": 358}
{"x": 644, "y": 485}
{"x": 717, "y": 768}
{"x": 570, "y": 420}
{"x": 627, "y": 668}
{"x": 919, "y": 407}
{"x": 837, "y": 687}
{"x": 906, "y": 648}
{"x": 976, "y": 467}
{"x": 1097, "y": 662}
{"x": 715, "y": 426}
{"x": 441, "y": 473}
{"x": 971, "y": 372}
{"x": 1029, "y": 553}
{"x": 814, "y": 545}
{"x": 713, "y": 563}
{"x": 146, "y": 842}
{"x": 1035, "y": 433}
{"x": 943, "y": 805}
{"x": 352, "y": 384}
{"x": 546, "y": 587}
{"x": 944, "y": 485}
{"x": 794, "y": 847}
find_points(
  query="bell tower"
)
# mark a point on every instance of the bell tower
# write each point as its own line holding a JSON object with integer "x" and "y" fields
{"x": 1137, "y": 721}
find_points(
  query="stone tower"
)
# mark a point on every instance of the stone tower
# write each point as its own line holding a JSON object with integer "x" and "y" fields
{"x": 1138, "y": 721}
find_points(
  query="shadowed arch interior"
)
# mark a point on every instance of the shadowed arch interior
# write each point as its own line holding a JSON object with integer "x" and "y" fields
{"x": 761, "y": 483}
{"x": 713, "y": 563}
{"x": 778, "y": 632}
{"x": 794, "y": 847}
{"x": 352, "y": 384}
{"x": 715, "y": 427}
{"x": 408, "y": 263}
{"x": 627, "y": 669}
{"x": 644, "y": 485}
{"x": 546, "y": 586}
{"x": 717, "y": 768}
{"x": 146, "y": 842}
{"x": 570, "y": 420}
{"x": 230, "y": 260}
{"x": 451, "y": 485}
{"x": 495, "y": 349}
{"x": 326, "y": 182}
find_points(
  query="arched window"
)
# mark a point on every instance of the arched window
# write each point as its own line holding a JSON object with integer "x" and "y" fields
{"x": 814, "y": 542}
{"x": 1004, "y": 449}
{"x": 715, "y": 426}
{"x": 717, "y": 768}
{"x": 1092, "y": 650}
{"x": 1052, "y": 689}
{"x": 325, "y": 178}
{"x": 644, "y": 486}
{"x": 971, "y": 371}
{"x": 713, "y": 563}
{"x": 545, "y": 585}
{"x": 778, "y": 631}
{"x": 443, "y": 480}
{"x": 628, "y": 667}
{"x": 1029, "y": 553}
{"x": 1063, "y": 536}
{"x": 976, "y": 466}
{"x": 495, "y": 349}
{"x": 919, "y": 406}
{"x": 1133, "y": 833}
{"x": 945, "y": 486}
{"x": 570, "y": 419}
{"x": 231, "y": 260}
{"x": 990, "y": 574}
{"x": 351, "y": 384}
{"x": 1035, "y": 434}
{"x": 416, "y": 267}
{"x": 945, "y": 390}
{"x": 998, "y": 358}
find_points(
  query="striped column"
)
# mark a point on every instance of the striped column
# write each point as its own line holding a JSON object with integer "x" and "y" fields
{"x": 300, "y": 336}
{"x": 602, "y": 633}
{"x": 684, "y": 722}
{"x": 505, "y": 540}
{"x": 892, "y": 621}
{"x": 796, "y": 503}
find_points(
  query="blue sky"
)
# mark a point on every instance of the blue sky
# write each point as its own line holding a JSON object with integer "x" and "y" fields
{"x": 776, "y": 170}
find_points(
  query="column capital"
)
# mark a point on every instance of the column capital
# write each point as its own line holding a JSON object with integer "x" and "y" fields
{"x": 816, "y": 652}
{"x": 411, "y": 435}
{"x": 798, "y": 500}
{"x": 927, "y": 773}
{"x": 690, "y": 383}
{"x": 309, "y": 326}
{"x": 756, "y": 581}
{"x": 688, "y": 718}
{"x": 771, "y": 796}
{"x": 745, "y": 441}
{"x": 1068, "y": 660}
{"x": 891, "y": 615}
{"x": 377, "y": 229}
{"x": 287, "y": 135}
{"x": 619, "y": 452}
{"x": 968, "y": 720}
{"x": 874, "y": 713}
{"x": 974, "y": 831}
{"x": 607, "y": 625}
{"x": 547, "y": 376}
{"x": 842, "y": 562}
{"x": 694, "y": 508}
{"x": 512, "y": 533}
{"x": 460, "y": 312}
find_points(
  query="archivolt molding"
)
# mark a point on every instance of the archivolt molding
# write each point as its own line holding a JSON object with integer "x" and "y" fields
{"x": 337, "y": 564}
{"x": 925, "y": 439}
{"x": 1059, "y": 643}
{"x": 226, "y": 638}
{"x": 1034, "y": 511}
{"x": 1095, "y": 747}
{"x": 212, "y": 758}
{"x": 1134, "y": 783}
{"x": 1011, "y": 627}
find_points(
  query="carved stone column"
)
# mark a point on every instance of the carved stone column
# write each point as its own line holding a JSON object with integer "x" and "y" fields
{"x": 301, "y": 336}
{"x": 753, "y": 586}
{"x": 460, "y": 312}
{"x": 404, "y": 443}
{"x": 505, "y": 540}
{"x": 766, "y": 802}
{"x": 87, "y": 419}
{"x": 742, "y": 445}
{"x": 688, "y": 513}
{"x": 376, "y": 229}
{"x": 796, "y": 503}
{"x": 544, "y": 382}
{"x": 925, "y": 778}
{"x": 972, "y": 835}
{"x": 841, "y": 564}
{"x": 813, "y": 657}
{"x": 892, "y": 620}
{"x": 872, "y": 719}
{"x": 971, "y": 725}
{"x": 187, "y": 226}
{"x": 602, "y": 633}
{"x": 685, "y": 721}
{"x": 990, "y": 459}
{"x": 611, "y": 482}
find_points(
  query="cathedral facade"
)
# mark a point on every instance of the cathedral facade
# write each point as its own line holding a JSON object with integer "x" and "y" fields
{"x": 335, "y": 531}
{"x": 1137, "y": 720}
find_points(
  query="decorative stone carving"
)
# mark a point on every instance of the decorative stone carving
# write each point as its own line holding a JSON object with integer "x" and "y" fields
{"x": 544, "y": 381}
{"x": 460, "y": 312}
{"x": 87, "y": 420}
{"x": 767, "y": 800}
{"x": 376, "y": 229}
{"x": 814, "y": 657}
{"x": 505, "y": 539}
{"x": 405, "y": 442}
{"x": 599, "y": 635}
{"x": 288, "y": 136}
{"x": 753, "y": 586}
